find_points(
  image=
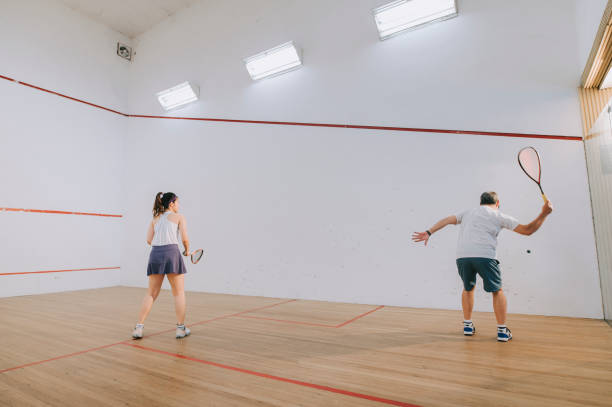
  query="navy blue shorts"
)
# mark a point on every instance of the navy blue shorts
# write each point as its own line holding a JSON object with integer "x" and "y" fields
{"x": 488, "y": 269}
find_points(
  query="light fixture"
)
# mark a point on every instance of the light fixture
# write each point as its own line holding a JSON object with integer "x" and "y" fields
{"x": 178, "y": 95}
{"x": 402, "y": 15}
{"x": 277, "y": 60}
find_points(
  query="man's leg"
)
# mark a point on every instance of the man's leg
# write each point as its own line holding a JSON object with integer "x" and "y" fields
{"x": 467, "y": 302}
{"x": 468, "y": 276}
{"x": 500, "y": 306}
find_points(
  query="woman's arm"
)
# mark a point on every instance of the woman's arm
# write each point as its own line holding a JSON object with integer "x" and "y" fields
{"x": 151, "y": 232}
{"x": 424, "y": 236}
{"x": 183, "y": 229}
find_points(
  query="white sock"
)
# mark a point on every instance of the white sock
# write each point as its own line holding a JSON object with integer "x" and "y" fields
{"x": 467, "y": 321}
{"x": 139, "y": 325}
{"x": 501, "y": 326}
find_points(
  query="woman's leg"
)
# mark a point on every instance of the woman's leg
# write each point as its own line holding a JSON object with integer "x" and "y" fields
{"x": 155, "y": 283}
{"x": 177, "y": 281}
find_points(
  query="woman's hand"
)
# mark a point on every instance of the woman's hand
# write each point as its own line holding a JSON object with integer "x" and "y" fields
{"x": 186, "y": 253}
{"x": 420, "y": 237}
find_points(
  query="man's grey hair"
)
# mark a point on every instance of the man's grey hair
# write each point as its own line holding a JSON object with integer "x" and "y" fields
{"x": 489, "y": 198}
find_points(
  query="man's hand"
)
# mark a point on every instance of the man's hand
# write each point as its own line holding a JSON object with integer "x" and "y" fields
{"x": 547, "y": 208}
{"x": 420, "y": 237}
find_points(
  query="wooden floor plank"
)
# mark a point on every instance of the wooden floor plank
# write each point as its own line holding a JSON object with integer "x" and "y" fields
{"x": 403, "y": 355}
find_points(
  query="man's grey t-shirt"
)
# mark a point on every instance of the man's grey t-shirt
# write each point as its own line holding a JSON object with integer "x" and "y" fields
{"x": 478, "y": 231}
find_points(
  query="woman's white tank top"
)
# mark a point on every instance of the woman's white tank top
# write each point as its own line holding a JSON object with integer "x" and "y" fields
{"x": 166, "y": 232}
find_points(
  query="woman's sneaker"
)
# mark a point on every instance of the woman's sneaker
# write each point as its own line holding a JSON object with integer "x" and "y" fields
{"x": 182, "y": 331}
{"x": 137, "y": 333}
{"x": 503, "y": 334}
{"x": 468, "y": 328}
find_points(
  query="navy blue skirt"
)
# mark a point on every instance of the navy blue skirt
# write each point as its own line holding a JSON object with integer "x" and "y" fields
{"x": 166, "y": 259}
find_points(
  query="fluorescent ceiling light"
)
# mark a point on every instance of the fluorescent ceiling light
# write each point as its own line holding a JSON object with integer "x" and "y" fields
{"x": 178, "y": 95}
{"x": 402, "y": 15}
{"x": 274, "y": 61}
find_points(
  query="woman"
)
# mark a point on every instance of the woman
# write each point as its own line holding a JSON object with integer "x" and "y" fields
{"x": 165, "y": 260}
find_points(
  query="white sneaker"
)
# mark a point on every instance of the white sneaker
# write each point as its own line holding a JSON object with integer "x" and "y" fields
{"x": 137, "y": 333}
{"x": 503, "y": 334}
{"x": 182, "y": 331}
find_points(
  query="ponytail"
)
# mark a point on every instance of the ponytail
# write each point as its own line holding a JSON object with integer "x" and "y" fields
{"x": 162, "y": 202}
{"x": 158, "y": 207}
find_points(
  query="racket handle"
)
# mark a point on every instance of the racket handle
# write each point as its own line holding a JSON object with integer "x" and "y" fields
{"x": 545, "y": 198}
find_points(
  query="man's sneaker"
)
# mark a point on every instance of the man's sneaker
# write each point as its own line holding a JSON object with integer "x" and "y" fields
{"x": 469, "y": 329}
{"x": 137, "y": 333}
{"x": 182, "y": 331}
{"x": 504, "y": 334}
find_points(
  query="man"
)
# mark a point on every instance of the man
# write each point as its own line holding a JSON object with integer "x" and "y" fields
{"x": 476, "y": 254}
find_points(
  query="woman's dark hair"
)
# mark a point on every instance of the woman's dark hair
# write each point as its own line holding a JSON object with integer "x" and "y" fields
{"x": 162, "y": 202}
{"x": 488, "y": 198}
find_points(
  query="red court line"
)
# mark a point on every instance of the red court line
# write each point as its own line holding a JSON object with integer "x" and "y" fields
{"x": 60, "y": 212}
{"x": 59, "y": 271}
{"x": 345, "y": 126}
{"x": 71, "y": 98}
{"x": 225, "y": 316}
{"x": 126, "y": 342}
{"x": 278, "y": 378}
{"x": 360, "y": 316}
{"x": 7, "y": 78}
{"x": 58, "y": 357}
{"x": 355, "y": 126}
{"x": 62, "y": 95}
{"x": 288, "y": 321}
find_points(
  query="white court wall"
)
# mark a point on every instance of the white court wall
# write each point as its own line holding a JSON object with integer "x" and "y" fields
{"x": 327, "y": 214}
{"x": 598, "y": 145}
{"x": 57, "y": 154}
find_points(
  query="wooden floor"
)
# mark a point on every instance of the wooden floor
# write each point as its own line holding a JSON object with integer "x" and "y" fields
{"x": 73, "y": 349}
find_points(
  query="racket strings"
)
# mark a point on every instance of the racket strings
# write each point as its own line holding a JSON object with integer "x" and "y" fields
{"x": 529, "y": 161}
{"x": 196, "y": 256}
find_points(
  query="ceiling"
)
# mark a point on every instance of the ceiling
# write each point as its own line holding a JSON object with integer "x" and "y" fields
{"x": 129, "y": 17}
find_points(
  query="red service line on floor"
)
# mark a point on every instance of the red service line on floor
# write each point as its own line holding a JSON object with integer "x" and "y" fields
{"x": 146, "y": 336}
{"x": 59, "y": 271}
{"x": 359, "y": 316}
{"x": 289, "y": 321}
{"x": 59, "y": 357}
{"x": 225, "y": 316}
{"x": 278, "y": 378}
{"x": 312, "y": 323}
{"x": 345, "y": 126}
{"x": 60, "y": 212}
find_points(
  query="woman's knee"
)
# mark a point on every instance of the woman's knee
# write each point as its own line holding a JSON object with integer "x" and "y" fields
{"x": 153, "y": 294}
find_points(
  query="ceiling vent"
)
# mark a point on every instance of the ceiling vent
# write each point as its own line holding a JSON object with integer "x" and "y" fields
{"x": 124, "y": 51}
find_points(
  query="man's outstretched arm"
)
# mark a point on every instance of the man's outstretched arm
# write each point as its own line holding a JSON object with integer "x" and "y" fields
{"x": 532, "y": 227}
{"x": 424, "y": 236}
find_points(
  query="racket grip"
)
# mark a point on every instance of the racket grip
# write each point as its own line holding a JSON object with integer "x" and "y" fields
{"x": 545, "y": 198}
